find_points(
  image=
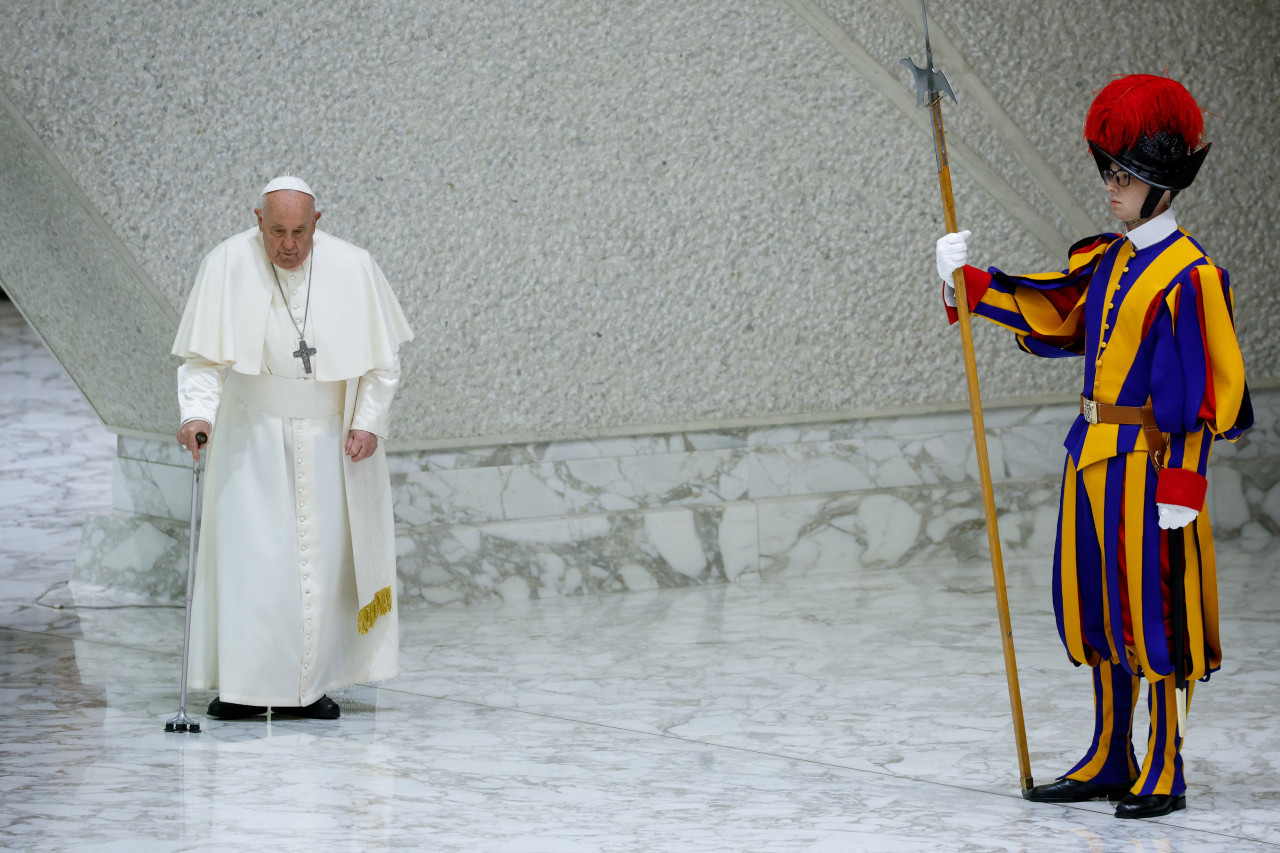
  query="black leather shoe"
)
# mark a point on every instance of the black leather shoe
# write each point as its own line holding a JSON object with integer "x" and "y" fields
{"x": 1151, "y": 805}
{"x": 1074, "y": 791}
{"x": 220, "y": 710}
{"x": 323, "y": 708}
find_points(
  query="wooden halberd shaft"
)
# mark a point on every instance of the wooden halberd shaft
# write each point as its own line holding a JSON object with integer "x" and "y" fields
{"x": 980, "y": 445}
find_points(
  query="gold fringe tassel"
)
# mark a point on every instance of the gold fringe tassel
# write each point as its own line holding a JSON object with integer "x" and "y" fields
{"x": 370, "y": 612}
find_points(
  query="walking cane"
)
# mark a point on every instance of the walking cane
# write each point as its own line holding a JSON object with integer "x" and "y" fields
{"x": 183, "y": 723}
{"x": 931, "y": 85}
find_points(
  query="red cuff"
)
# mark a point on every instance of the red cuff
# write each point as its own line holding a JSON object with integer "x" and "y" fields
{"x": 976, "y": 283}
{"x": 1182, "y": 487}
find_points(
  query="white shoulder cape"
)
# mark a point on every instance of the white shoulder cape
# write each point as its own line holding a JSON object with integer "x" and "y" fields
{"x": 355, "y": 319}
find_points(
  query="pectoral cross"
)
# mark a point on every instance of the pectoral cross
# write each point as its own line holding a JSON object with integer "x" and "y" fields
{"x": 304, "y": 352}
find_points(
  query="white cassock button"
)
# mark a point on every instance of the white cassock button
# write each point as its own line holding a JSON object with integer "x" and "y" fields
{"x": 299, "y": 460}
{"x": 304, "y": 547}
{"x": 304, "y": 518}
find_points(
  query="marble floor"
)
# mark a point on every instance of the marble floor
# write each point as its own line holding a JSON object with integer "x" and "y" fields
{"x": 856, "y": 711}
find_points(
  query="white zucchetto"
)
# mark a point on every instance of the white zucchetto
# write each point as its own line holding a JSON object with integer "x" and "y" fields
{"x": 288, "y": 182}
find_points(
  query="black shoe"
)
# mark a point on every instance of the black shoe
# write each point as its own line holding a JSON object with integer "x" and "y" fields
{"x": 220, "y": 710}
{"x": 1075, "y": 791}
{"x": 1151, "y": 805}
{"x": 323, "y": 708}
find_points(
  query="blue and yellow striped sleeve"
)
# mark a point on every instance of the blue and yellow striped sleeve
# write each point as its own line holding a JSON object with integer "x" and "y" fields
{"x": 1198, "y": 383}
{"x": 1044, "y": 310}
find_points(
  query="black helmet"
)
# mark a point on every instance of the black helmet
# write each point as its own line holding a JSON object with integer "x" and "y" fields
{"x": 1149, "y": 126}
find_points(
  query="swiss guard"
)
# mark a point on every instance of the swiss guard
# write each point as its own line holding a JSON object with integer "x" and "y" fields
{"x": 1134, "y": 584}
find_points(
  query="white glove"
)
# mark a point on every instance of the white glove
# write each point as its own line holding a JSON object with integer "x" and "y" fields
{"x": 1173, "y": 516}
{"x": 952, "y": 253}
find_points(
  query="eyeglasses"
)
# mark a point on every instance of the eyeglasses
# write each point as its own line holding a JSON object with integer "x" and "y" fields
{"x": 1121, "y": 178}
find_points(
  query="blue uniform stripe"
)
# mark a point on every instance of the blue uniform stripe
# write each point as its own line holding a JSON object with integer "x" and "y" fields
{"x": 1111, "y": 547}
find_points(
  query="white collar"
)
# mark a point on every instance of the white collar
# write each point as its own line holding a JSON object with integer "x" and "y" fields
{"x": 1153, "y": 230}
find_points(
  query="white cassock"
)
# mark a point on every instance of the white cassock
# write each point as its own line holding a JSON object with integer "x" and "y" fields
{"x": 295, "y": 578}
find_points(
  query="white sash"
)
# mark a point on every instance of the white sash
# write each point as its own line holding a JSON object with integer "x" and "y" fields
{"x": 288, "y": 398}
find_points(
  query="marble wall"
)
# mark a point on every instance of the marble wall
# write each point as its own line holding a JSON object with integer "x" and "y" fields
{"x": 603, "y": 217}
{"x": 587, "y": 517}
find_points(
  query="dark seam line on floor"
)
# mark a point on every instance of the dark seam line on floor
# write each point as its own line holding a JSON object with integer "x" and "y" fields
{"x": 812, "y": 761}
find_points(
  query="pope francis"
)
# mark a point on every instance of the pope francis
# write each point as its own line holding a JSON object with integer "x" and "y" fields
{"x": 290, "y": 343}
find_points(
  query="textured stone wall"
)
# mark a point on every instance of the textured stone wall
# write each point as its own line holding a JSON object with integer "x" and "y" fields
{"x": 604, "y": 216}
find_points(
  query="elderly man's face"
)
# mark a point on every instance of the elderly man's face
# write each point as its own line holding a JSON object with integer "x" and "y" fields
{"x": 287, "y": 221}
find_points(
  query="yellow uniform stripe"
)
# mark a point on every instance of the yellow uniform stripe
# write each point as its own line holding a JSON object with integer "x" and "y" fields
{"x": 1107, "y": 700}
{"x": 1095, "y": 484}
{"x": 1193, "y": 445}
{"x": 1116, "y": 351}
{"x": 1226, "y": 360}
{"x": 1135, "y": 504}
{"x": 1209, "y": 579}
{"x": 1068, "y": 567}
{"x": 1168, "y": 710}
{"x": 1035, "y": 309}
{"x": 1100, "y": 442}
{"x": 1122, "y": 350}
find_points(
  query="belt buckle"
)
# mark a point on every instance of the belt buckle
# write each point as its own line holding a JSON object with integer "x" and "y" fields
{"x": 1089, "y": 408}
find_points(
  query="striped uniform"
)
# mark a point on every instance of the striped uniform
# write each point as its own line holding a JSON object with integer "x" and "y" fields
{"x": 1153, "y": 323}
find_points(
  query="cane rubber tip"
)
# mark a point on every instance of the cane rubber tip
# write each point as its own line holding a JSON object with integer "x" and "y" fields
{"x": 168, "y": 727}
{"x": 194, "y": 728}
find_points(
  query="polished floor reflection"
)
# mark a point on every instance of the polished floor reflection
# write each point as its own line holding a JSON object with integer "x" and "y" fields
{"x": 858, "y": 710}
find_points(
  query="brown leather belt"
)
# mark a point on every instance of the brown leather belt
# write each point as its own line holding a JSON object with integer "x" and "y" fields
{"x": 1144, "y": 416}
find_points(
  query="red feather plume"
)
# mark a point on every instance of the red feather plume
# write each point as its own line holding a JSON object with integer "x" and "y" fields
{"x": 1138, "y": 105}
